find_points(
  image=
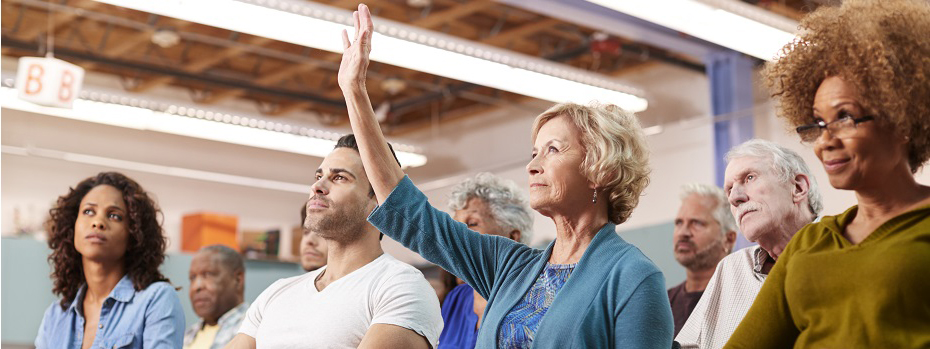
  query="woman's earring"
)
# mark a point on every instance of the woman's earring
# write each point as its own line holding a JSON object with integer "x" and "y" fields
{"x": 594, "y": 198}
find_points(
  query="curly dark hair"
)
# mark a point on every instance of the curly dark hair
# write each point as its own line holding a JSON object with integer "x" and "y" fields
{"x": 881, "y": 47}
{"x": 145, "y": 250}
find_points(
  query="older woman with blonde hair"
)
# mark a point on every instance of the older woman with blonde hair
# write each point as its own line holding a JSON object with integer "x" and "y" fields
{"x": 587, "y": 289}
{"x": 856, "y": 86}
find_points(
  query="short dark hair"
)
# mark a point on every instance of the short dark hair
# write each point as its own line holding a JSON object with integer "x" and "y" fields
{"x": 228, "y": 257}
{"x": 348, "y": 141}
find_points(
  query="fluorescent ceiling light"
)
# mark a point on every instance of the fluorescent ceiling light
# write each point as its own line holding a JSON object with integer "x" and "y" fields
{"x": 193, "y": 122}
{"x": 319, "y": 26}
{"x": 179, "y": 172}
{"x": 729, "y": 23}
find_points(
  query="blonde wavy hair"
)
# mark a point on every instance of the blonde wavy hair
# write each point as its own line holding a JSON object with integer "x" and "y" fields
{"x": 616, "y": 155}
{"x": 882, "y": 47}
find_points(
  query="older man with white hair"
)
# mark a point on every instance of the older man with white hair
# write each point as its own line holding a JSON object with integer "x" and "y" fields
{"x": 704, "y": 234}
{"x": 772, "y": 195}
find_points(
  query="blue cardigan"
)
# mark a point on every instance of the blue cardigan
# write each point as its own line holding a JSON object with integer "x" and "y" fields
{"x": 615, "y": 298}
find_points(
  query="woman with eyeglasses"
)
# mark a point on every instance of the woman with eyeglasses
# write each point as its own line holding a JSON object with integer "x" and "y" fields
{"x": 857, "y": 87}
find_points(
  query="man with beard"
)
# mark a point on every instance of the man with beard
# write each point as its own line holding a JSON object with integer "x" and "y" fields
{"x": 217, "y": 276}
{"x": 704, "y": 234}
{"x": 772, "y": 194}
{"x": 312, "y": 247}
{"x": 362, "y": 298}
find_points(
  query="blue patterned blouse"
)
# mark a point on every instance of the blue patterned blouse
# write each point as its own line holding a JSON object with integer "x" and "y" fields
{"x": 519, "y": 326}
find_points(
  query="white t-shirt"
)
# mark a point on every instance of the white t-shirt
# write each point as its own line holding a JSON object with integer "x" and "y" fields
{"x": 292, "y": 313}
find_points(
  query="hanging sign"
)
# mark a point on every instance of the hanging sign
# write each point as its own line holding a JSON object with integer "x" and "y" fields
{"x": 48, "y": 81}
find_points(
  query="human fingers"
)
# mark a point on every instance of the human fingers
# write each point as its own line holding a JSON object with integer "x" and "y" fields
{"x": 345, "y": 40}
{"x": 357, "y": 25}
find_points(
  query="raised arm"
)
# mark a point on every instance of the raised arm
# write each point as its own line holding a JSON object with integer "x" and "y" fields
{"x": 383, "y": 172}
{"x": 408, "y": 218}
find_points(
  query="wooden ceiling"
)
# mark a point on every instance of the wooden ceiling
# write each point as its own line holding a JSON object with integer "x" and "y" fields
{"x": 794, "y": 9}
{"x": 218, "y": 65}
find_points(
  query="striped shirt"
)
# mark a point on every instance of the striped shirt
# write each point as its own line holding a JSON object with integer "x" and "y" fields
{"x": 727, "y": 298}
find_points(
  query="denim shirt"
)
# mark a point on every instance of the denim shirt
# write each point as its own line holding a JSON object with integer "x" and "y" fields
{"x": 150, "y": 318}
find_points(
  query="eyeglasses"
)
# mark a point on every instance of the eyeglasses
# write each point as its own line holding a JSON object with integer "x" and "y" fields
{"x": 843, "y": 127}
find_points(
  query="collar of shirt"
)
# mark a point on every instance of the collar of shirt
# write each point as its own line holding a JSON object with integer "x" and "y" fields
{"x": 123, "y": 292}
{"x": 759, "y": 256}
{"x": 239, "y": 309}
{"x": 233, "y": 314}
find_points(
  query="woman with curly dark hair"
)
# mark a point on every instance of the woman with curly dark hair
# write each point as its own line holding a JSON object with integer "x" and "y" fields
{"x": 856, "y": 86}
{"x": 107, "y": 245}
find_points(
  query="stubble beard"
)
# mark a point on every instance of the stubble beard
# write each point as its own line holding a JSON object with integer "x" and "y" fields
{"x": 342, "y": 226}
{"x": 705, "y": 258}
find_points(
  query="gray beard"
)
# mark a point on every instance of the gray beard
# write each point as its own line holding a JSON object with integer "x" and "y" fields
{"x": 706, "y": 258}
{"x": 341, "y": 226}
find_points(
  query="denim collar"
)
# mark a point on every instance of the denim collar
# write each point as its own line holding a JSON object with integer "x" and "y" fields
{"x": 123, "y": 292}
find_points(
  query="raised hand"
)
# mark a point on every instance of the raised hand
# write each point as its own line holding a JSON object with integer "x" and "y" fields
{"x": 354, "y": 66}
{"x": 383, "y": 172}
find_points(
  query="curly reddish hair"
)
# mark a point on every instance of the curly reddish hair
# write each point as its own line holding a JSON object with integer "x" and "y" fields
{"x": 882, "y": 47}
{"x": 145, "y": 250}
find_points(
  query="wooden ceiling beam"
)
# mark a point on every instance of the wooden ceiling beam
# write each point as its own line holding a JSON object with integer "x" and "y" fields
{"x": 290, "y": 107}
{"x": 452, "y": 13}
{"x": 202, "y": 64}
{"x": 783, "y": 10}
{"x": 58, "y": 19}
{"x": 385, "y": 7}
{"x": 265, "y": 79}
{"x": 143, "y": 37}
{"x": 210, "y": 60}
{"x": 521, "y": 32}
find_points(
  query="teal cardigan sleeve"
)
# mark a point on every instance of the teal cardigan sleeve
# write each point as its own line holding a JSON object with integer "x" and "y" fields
{"x": 645, "y": 320}
{"x": 407, "y": 217}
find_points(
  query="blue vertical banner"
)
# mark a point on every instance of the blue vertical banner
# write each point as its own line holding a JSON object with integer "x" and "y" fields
{"x": 730, "y": 75}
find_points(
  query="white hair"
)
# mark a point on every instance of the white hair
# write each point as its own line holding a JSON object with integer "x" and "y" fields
{"x": 508, "y": 206}
{"x": 721, "y": 213}
{"x": 785, "y": 162}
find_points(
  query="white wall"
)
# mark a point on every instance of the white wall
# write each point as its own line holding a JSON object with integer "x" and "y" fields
{"x": 36, "y": 182}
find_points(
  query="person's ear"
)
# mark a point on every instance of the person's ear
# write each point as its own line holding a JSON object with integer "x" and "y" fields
{"x": 801, "y": 187}
{"x": 730, "y": 240}
{"x": 515, "y": 235}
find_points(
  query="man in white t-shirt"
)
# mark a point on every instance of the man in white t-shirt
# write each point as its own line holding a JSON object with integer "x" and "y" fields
{"x": 362, "y": 297}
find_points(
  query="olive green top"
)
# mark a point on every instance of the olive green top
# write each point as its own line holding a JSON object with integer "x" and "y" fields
{"x": 826, "y": 292}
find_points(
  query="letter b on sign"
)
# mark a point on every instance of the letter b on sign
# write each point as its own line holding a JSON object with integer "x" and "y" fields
{"x": 48, "y": 81}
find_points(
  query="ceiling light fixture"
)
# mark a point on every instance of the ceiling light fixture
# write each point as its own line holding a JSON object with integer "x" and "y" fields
{"x": 729, "y": 23}
{"x": 138, "y": 114}
{"x": 318, "y": 26}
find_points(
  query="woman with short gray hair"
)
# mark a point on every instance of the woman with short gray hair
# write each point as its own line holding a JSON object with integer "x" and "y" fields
{"x": 488, "y": 205}
{"x": 507, "y": 210}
